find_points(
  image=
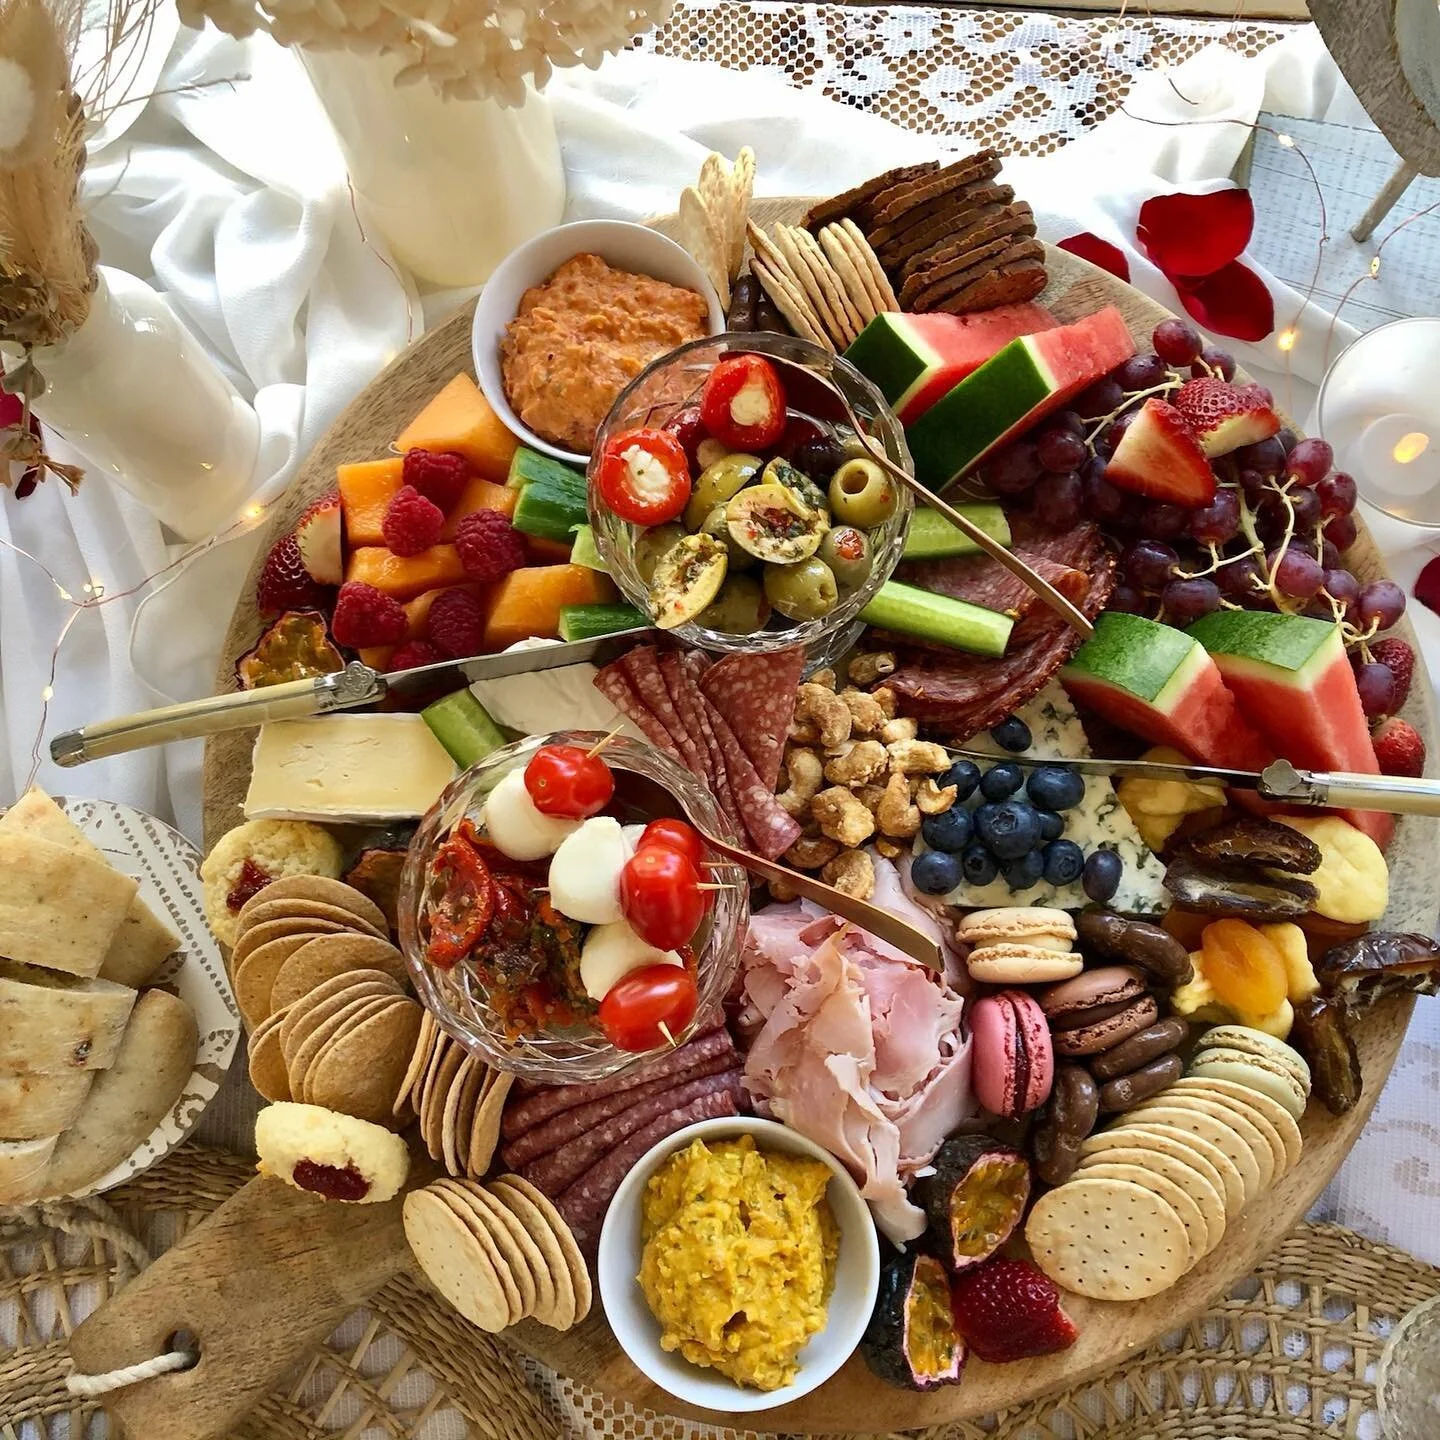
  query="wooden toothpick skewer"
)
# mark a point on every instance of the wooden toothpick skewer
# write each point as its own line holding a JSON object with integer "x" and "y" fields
{"x": 708, "y": 886}
{"x": 664, "y": 1029}
{"x": 601, "y": 744}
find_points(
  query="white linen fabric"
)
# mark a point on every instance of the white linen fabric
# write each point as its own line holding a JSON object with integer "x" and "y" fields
{"x": 229, "y": 195}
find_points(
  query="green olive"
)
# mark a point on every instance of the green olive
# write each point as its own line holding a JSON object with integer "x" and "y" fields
{"x": 717, "y": 526}
{"x": 782, "y": 472}
{"x": 709, "y": 450}
{"x": 802, "y": 592}
{"x": 651, "y": 544}
{"x": 687, "y": 578}
{"x": 846, "y": 551}
{"x": 863, "y": 494}
{"x": 775, "y": 524}
{"x": 717, "y": 483}
{"x": 739, "y": 609}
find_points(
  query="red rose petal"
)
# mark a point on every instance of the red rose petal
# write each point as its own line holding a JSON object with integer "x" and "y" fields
{"x": 1427, "y": 585}
{"x": 1233, "y": 301}
{"x": 11, "y": 409}
{"x": 1195, "y": 234}
{"x": 1098, "y": 252}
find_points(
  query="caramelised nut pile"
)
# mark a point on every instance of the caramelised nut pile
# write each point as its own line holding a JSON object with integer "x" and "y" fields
{"x": 855, "y": 773}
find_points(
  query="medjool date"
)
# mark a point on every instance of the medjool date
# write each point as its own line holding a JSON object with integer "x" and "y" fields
{"x": 911, "y": 1340}
{"x": 1322, "y": 1034}
{"x": 1250, "y": 841}
{"x": 1214, "y": 892}
{"x": 975, "y": 1198}
{"x": 1384, "y": 962}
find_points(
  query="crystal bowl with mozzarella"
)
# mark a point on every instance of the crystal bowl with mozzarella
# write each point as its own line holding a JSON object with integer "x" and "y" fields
{"x": 559, "y": 914}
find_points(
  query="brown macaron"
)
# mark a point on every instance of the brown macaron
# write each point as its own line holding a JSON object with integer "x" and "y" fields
{"x": 1097, "y": 1009}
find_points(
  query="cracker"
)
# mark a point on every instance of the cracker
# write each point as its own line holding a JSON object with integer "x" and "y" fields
{"x": 254, "y": 977}
{"x": 546, "y": 1258}
{"x": 445, "y": 1248}
{"x": 464, "y": 1123}
{"x": 359, "y": 1072}
{"x": 1107, "y": 1239}
{"x": 452, "y": 1193}
{"x": 1249, "y": 1132}
{"x": 858, "y": 200}
{"x": 984, "y": 226}
{"x": 851, "y": 280}
{"x": 809, "y": 267}
{"x": 302, "y": 1055}
{"x": 1008, "y": 284}
{"x": 320, "y": 888}
{"x": 1183, "y": 1168}
{"x": 1197, "y": 1232}
{"x": 267, "y": 1061}
{"x": 742, "y": 192}
{"x": 868, "y": 263}
{"x": 984, "y": 165}
{"x": 327, "y": 956}
{"x": 450, "y": 1118}
{"x": 699, "y": 234}
{"x": 297, "y": 909}
{"x": 432, "y": 1117}
{"x": 814, "y": 255}
{"x": 933, "y": 224}
{"x": 791, "y": 303}
{"x": 514, "y": 1243}
{"x": 1218, "y": 1132}
{"x": 323, "y": 1002}
{"x": 575, "y": 1268}
{"x": 419, "y": 1059}
{"x": 716, "y": 189}
{"x": 1195, "y": 1150}
{"x": 1260, "y": 1103}
{"x": 485, "y": 1127}
{"x": 258, "y": 935}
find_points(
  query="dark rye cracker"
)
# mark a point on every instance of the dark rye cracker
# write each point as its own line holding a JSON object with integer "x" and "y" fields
{"x": 1012, "y": 220}
{"x": 971, "y": 263}
{"x": 1015, "y": 275}
{"x": 902, "y": 199}
{"x": 855, "y": 203}
{"x": 938, "y": 221}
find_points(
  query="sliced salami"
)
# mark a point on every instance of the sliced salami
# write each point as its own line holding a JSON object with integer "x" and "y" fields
{"x": 615, "y": 686}
{"x": 772, "y": 832}
{"x": 678, "y": 687}
{"x": 693, "y": 666}
{"x": 756, "y": 695}
{"x": 982, "y": 581}
{"x": 642, "y": 668}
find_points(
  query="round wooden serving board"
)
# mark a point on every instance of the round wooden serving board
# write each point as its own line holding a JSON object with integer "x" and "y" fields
{"x": 855, "y": 1400}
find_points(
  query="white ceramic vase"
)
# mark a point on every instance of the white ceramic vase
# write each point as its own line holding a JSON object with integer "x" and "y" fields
{"x": 135, "y": 393}
{"x": 452, "y": 186}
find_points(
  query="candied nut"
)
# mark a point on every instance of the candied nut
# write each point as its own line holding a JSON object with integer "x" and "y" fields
{"x": 897, "y": 815}
{"x": 867, "y": 668}
{"x": 803, "y": 772}
{"x": 781, "y": 892}
{"x": 824, "y": 678}
{"x": 851, "y": 873}
{"x": 860, "y": 762}
{"x": 866, "y": 716}
{"x": 870, "y": 796}
{"x": 842, "y": 816}
{"x": 888, "y": 849}
{"x": 811, "y": 852}
{"x": 903, "y": 727}
{"x": 918, "y": 757}
{"x": 886, "y": 699}
{"x": 931, "y": 799}
{"x": 821, "y": 715}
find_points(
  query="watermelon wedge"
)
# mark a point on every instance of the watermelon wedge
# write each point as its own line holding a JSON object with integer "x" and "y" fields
{"x": 1026, "y": 380}
{"x": 915, "y": 360}
{"x": 1292, "y": 680}
{"x": 1159, "y": 683}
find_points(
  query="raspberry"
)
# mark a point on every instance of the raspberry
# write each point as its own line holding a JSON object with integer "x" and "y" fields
{"x": 413, "y": 654}
{"x": 1399, "y": 659}
{"x": 490, "y": 546}
{"x": 439, "y": 476}
{"x": 457, "y": 624}
{"x": 285, "y": 583}
{"x": 367, "y": 616}
{"x": 412, "y": 523}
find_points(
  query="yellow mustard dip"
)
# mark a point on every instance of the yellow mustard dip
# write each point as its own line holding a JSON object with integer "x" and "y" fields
{"x": 739, "y": 1257}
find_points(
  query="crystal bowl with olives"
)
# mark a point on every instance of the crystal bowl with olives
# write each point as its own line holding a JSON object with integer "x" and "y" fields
{"x": 732, "y": 500}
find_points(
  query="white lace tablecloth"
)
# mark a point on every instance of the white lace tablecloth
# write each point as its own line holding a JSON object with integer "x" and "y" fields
{"x": 231, "y": 199}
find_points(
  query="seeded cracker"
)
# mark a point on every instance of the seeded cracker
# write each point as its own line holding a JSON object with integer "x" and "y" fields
{"x": 1107, "y": 1239}
{"x": 295, "y": 909}
{"x": 446, "y": 1250}
{"x": 319, "y": 888}
{"x": 1209, "y": 1198}
{"x": 700, "y": 235}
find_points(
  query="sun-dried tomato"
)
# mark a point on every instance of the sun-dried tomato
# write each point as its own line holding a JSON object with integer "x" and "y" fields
{"x": 461, "y": 915}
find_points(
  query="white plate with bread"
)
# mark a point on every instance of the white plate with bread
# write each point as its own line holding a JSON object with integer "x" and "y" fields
{"x": 117, "y": 1024}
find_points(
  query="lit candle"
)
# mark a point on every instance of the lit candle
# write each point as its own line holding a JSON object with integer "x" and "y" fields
{"x": 1398, "y": 457}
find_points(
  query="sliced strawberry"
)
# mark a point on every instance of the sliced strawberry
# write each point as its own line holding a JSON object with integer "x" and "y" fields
{"x": 1159, "y": 456}
{"x": 318, "y": 536}
{"x": 1399, "y": 748}
{"x": 1398, "y": 658}
{"x": 1224, "y": 416}
{"x": 285, "y": 583}
{"x": 1008, "y": 1309}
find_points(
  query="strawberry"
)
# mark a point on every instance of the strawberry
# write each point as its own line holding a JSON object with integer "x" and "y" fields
{"x": 1224, "y": 416}
{"x": 1399, "y": 748}
{"x": 285, "y": 583}
{"x": 318, "y": 536}
{"x": 1398, "y": 658}
{"x": 1158, "y": 455}
{"x": 1008, "y": 1309}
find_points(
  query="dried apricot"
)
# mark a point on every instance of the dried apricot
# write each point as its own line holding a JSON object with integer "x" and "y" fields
{"x": 1245, "y": 968}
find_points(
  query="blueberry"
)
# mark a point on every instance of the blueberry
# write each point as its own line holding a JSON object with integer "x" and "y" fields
{"x": 1052, "y": 826}
{"x": 1055, "y": 788}
{"x": 979, "y": 865}
{"x": 1023, "y": 871}
{"x": 933, "y": 872}
{"x": 1011, "y": 829}
{"x": 949, "y": 831}
{"x": 1012, "y": 734}
{"x": 964, "y": 775}
{"x": 1102, "y": 875}
{"x": 1002, "y": 781}
{"x": 1064, "y": 860}
{"x": 981, "y": 816}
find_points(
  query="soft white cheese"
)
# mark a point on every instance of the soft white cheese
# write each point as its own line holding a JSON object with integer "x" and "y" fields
{"x": 750, "y": 404}
{"x": 546, "y": 700}
{"x": 516, "y": 827}
{"x": 585, "y": 871}
{"x": 647, "y": 474}
{"x": 346, "y": 768}
{"x": 611, "y": 952}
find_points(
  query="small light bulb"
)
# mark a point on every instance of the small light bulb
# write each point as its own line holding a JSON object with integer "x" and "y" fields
{"x": 254, "y": 512}
{"x": 1288, "y": 141}
{"x": 1286, "y": 339}
{"x": 64, "y": 593}
{"x": 48, "y": 694}
{"x": 1375, "y": 266}
{"x": 1411, "y": 447}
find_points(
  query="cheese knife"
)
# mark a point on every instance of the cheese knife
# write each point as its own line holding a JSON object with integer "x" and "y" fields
{"x": 355, "y": 686}
{"x": 1279, "y": 781}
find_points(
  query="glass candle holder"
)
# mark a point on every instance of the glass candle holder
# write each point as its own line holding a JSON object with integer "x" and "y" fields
{"x": 1407, "y": 1383}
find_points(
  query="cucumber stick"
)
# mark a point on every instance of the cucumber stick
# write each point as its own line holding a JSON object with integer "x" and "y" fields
{"x": 584, "y": 551}
{"x": 907, "y": 611}
{"x": 552, "y": 509}
{"x": 463, "y": 726}
{"x": 530, "y": 465}
{"x": 584, "y": 622}
{"x": 932, "y": 537}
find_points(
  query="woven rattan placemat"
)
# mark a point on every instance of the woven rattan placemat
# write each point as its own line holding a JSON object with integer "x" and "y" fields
{"x": 1290, "y": 1353}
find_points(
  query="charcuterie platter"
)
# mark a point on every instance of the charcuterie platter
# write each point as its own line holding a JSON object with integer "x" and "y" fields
{"x": 1117, "y": 1047}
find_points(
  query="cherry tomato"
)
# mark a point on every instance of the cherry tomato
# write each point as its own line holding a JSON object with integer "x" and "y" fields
{"x": 675, "y": 835}
{"x": 688, "y": 427}
{"x": 661, "y": 897}
{"x": 638, "y": 1004}
{"x": 462, "y": 914}
{"x": 743, "y": 403}
{"x": 568, "y": 783}
{"x": 644, "y": 477}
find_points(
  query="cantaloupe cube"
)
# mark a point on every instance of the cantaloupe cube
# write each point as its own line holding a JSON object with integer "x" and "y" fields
{"x": 377, "y": 657}
{"x": 480, "y": 494}
{"x": 527, "y": 602}
{"x": 546, "y": 552}
{"x": 405, "y": 576}
{"x": 366, "y": 489}
{"x": 459, "y": 419}
{"x": 417, "y": 611}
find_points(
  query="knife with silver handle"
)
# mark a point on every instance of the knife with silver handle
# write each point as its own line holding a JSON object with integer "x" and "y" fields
{"x": 348, "y": 689}
{"x": 1280, "y": 781}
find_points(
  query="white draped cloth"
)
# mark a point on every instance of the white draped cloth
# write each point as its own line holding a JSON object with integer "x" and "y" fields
{"x": 231, "y": 199}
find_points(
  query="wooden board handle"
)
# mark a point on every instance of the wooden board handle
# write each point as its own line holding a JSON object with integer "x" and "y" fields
{"x": 260, "y": 1283}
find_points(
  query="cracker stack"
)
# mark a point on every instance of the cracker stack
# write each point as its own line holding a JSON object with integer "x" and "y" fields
{"x": 713, "y": 213}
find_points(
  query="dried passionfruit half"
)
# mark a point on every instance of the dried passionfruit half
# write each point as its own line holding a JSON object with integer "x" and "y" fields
{"x": 911, "y": 1340}
{"x": 1251, "y": 841}
{"x": 975, "y": 1198}
{"x": 297, "y": 646}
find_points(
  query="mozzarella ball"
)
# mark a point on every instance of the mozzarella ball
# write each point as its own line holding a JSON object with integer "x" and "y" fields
{"x": 632, "y": 834}
{"x": 611, "y": 952}
{"x": 585, "y": 873}
{"x": 516, "y": 828}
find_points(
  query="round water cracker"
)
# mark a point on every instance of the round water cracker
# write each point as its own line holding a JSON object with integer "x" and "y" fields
{"x": 419, "y": 1059}
{"x": 258, "y": 935}
{"x": 1204, "y": 1155}
{"x": 460, "y": 1204}
{"x": 574, "y": 1260}
{"x": 319, "y": 888}
{"x": 485, "y": 1127}
{"x": 351, "y": 1100}
{"x": 422, "y": 1098}
{"x": 1255, "y": 1072}
{"x": 1197, "y": 1232}
{"x": 1249, "y": 1132}
{"x": 446, "y": 1249}
{"x": 1219, "y": 1133}
{"x": 547, "y": 1259}
{"x": 468, "y": 1100}
{"x": 311, "y": 910}
{"x": 450, "y": 1118}
{"x": 1200, "y": 1090}
{"x": 267, "y": 1063}
{"x": 1107, "y": 1239}
{"x": 327, "y": 956}
{"x": 810, "y": 248}
{"x": 791, "y": 303}
{"x": 432, "y": 1117}
{"x": 809, "y": 268}
{"x": 515, "y": 1242}
{"x": 868, "y": 263}
{"x": 254, "y": 977}
{"x": 305, "y": 1014}
{"x": 359, "y": 1072}
{"x": 1259, "y": 1104}
{"x": 700, "y": 235}
{"x": 303, "y": 1053}
{"x": 1207, "y": 1196}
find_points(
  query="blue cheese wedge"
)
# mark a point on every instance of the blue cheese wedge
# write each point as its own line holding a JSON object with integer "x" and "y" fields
{"x": 1099, "y": 819}
{"x": 347, "y": 769}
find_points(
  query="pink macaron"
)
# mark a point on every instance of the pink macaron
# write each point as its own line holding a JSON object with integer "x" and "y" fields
{"x": 1012, "y": 1062}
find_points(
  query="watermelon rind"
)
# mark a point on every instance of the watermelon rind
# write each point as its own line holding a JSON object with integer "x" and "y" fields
{"x": 1155, "y": 663}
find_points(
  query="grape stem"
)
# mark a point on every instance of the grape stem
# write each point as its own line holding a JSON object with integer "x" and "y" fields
{"x": 1131, "y": 399}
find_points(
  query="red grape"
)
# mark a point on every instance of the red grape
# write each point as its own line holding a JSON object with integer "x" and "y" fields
{"x": 1266, "y": 456}
{"x": 1059, "y": 450}
{"x": 1376, "y": 684}
{"x": 1056, "y": 501}
{"x": 1287, "y": 438}
{"x": 1239, "y": 578}
{"x": 1329, "y": 554}
{"x": 1149, "y": 563}
{"x": 1272, "y": 518}
{"x": 1141, "y": 372}
{"x": 1176, "y": 343}
{"x": 1101, "y": 500}
{"x": 1068, "y": 420}
{"x": 1343, "y": 588}
{"x": 1341, "y": 531}
{"x": 1382, "y": 601}
{"x": 1214, "y": 361}
{"x": 1128, "y": 600}
{"x": 1013, "y": 470}
{"x": 1309, "y": 462}
{"x": 1337, "y": 493}
{"x": 1100, "y": 399}
{"x": 1116, "y": 432}
{"x": 1219, "y": 521}
{"x": 1296, "y": 574}
{"x": 1255, "y": 485}
{"x": 1306, "y": 505}
{"x": 1185, "y": 601}
{"x": 1165, "y": 521}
